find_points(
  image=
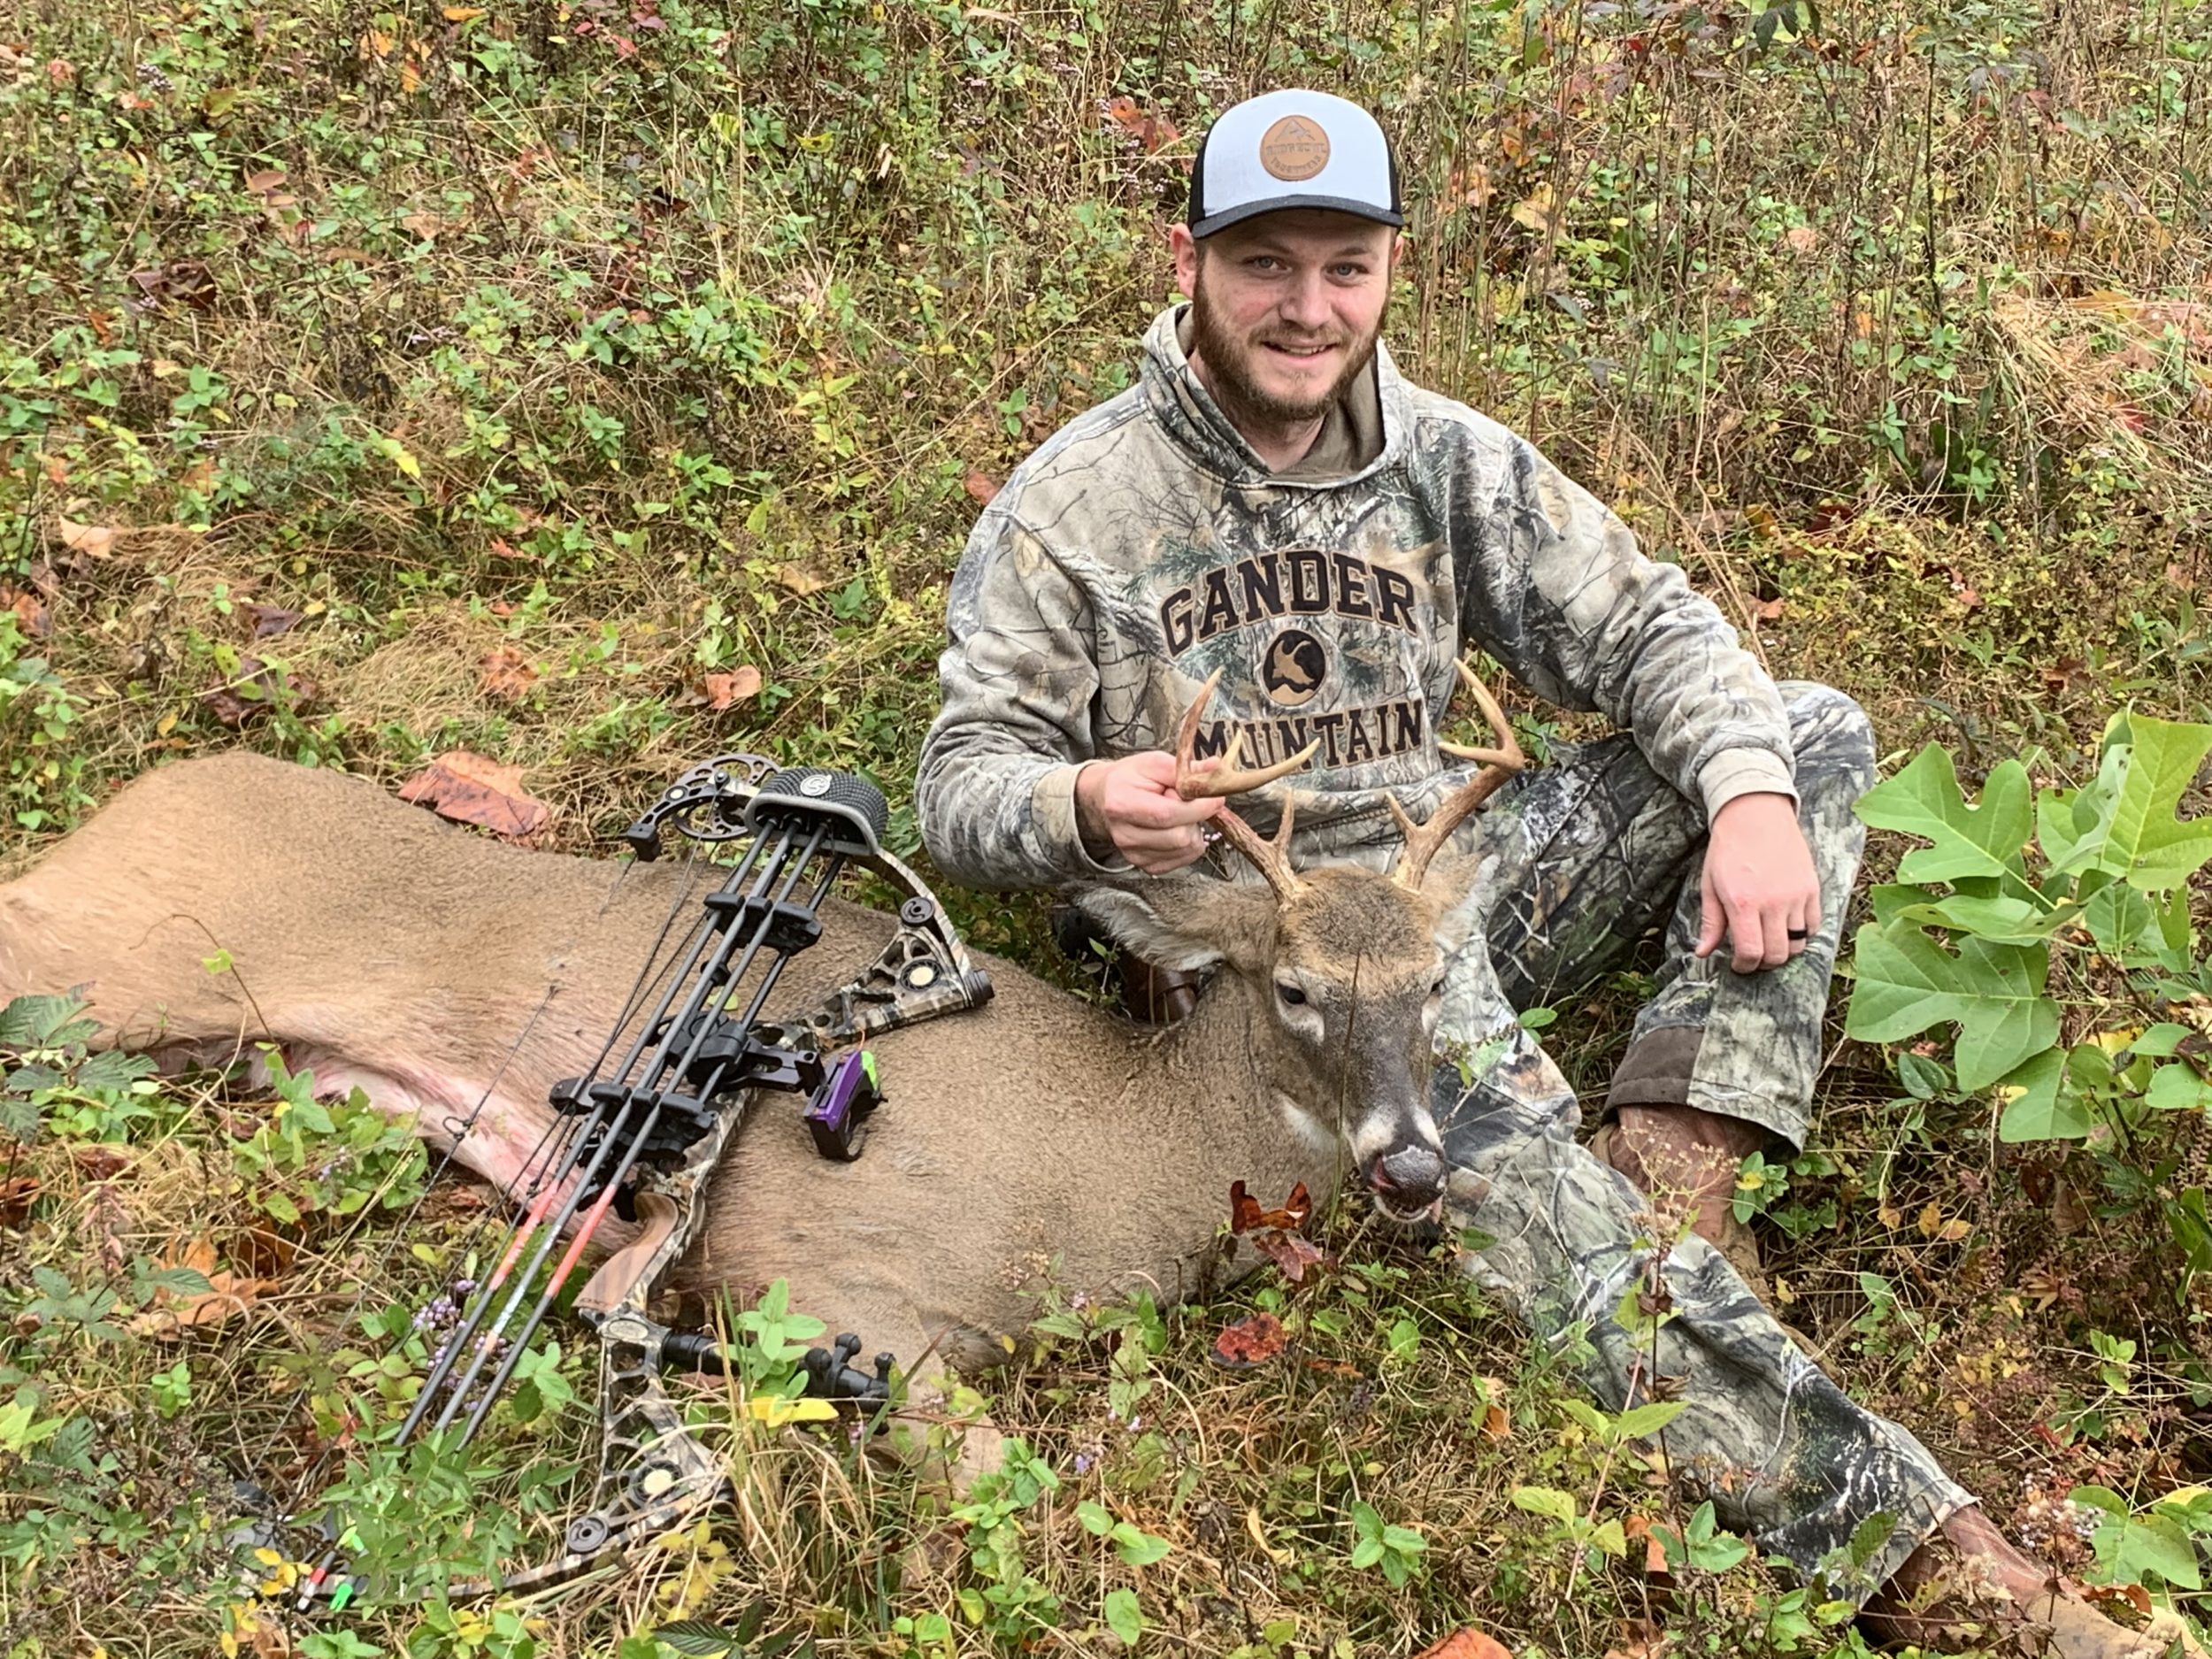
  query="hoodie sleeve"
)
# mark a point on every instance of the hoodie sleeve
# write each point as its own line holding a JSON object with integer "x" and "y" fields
{"x": 996, "y": 790}
{"x": 1558, "y": 592}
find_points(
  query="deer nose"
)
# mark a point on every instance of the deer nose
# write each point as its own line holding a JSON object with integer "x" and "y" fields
{"x": 1406, "y": 1182}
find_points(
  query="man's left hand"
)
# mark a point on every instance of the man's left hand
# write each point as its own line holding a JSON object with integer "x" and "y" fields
{"x": 1759, "y": 888}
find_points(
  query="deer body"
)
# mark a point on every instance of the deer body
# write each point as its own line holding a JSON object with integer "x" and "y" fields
{"x": 1035, "y": 1135}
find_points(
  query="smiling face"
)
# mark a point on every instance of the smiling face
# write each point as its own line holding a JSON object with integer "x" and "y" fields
{"x": 1286, "y": 308}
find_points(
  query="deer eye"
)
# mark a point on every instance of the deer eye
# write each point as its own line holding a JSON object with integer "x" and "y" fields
{"x": 1290, "y": 993}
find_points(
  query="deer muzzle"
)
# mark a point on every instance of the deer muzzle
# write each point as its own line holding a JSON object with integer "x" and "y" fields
{"x": 1407, "y": 1181}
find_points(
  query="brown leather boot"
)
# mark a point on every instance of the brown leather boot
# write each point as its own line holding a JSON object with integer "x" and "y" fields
{"x": 1685, "y": 1160}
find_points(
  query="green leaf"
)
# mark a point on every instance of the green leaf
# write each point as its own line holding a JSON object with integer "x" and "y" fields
{"x": 2148, "y": 846}
{"x": 1999, "y": 918}
{"x": 2047, "y": 1108}
{"x": 1984, "y": 840}
{"x": 2191, "y": 1226}
{"x": 179, "y": 1281}
{"x": 1543, "y": 1500}
{"x": 2160, "y": 1041}
{"x": 1095, "y": 1518}
{"x": 2148, "y": 1544}
{"x": 1647, "y": 1420}
{"x": 1924, "y": 1079}
{"x": 1124, "y": 1617}
{"x": 2072, "y": 823}
{"x": 2175, "y": 1087}
{"x": 1906, "y": 982}
{"x": 2122, "y": 921}
{"x": 696, "y": 1638}
{"x": 1138, "y": 1547}
{"x": 44, "y": 1022}
{"x": 1367, "y": 1553}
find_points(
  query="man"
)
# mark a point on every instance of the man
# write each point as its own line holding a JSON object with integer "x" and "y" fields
{"x": 1275, "y": 503}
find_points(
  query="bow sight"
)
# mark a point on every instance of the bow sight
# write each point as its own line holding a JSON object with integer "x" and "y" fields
{"x": 647, "y": 1131}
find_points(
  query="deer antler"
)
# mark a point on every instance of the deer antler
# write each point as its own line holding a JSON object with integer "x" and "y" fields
{"x": 1498, "y": 765}
{"x": 1270, "y": 858}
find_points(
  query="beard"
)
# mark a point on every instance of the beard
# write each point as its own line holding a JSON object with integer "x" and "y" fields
{"x": 1230, "y": 364}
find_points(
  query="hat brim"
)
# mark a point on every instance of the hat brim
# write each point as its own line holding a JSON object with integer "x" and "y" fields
{"x": 1229, "y": 216}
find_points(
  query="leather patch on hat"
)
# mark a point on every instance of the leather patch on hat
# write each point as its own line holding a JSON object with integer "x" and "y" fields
{"x": 1294, "y": 149}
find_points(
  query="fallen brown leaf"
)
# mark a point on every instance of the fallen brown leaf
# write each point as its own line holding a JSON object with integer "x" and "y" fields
{"x": 1289, "y": 1252}
{"x": 1249, "y": 1342}
{"x": 17, "y": 1194}
{"x": 271, "y": 620}
{"x": 30, "y": 610}
{"x": 1640, "y": 1640}
{"x": 100, "y": 1162}
{"x": 92, "y": 540}
{"x": 426, "y": 226}
{"x": 226, "y": 1296}
{"x": 2134, "y": 1594}
{"x": 800, "y": 581}
{"x": 724, "y": 690}
{"x": 265, "y": 181}
{"x": 1466, "y": 1644}
{"x": 506, "y": 673}
{"x": 1497, "y": 1419}
{"x": 1245, "y": 1212}
{"x": 1768, "y": 610}
{"x": 252, "y": 691}
{"x": 1654, "y": 1552}
{"x": 469, "y": 789}
{"x": 186, "y": 280}
{"x": 980, "y": 486}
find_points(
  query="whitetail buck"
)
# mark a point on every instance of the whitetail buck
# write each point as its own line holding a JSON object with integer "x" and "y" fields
{"x": 1036, "y": 1134}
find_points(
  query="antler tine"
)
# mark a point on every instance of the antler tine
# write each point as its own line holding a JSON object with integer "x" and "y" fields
{"x": 1508, "y": 754}
{"x": 1272, "y": 858}
{"x": 1498, "y": 765}
{"x": 1229, "y": 778}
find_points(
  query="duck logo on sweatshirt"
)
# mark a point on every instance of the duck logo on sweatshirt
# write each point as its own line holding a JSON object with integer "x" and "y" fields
{"x": 1294, "y": 669}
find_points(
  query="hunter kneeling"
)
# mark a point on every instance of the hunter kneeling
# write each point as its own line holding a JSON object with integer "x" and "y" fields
{"x": 1274, "y": 509}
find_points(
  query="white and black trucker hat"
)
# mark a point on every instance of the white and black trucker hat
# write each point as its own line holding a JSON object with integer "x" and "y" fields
{"x": 1293, "y": 149}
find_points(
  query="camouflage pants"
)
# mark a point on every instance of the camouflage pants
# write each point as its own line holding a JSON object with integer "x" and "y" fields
{"x": 1579, "y": 860}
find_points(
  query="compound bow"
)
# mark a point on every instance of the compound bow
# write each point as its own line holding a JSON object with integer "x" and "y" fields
{"x": 648, "y": 1132}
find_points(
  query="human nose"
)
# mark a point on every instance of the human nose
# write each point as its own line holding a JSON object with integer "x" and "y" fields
{"x": 1306, "y": 304}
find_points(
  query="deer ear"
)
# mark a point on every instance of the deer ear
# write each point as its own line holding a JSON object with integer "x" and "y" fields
{"x": 1186, "y": 922}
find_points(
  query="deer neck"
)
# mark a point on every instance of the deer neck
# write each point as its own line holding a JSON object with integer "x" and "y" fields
{"x": 1215, "y": 1062}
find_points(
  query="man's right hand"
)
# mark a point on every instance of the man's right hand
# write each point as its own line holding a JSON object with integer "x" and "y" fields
{"x": 1130, "y": 804}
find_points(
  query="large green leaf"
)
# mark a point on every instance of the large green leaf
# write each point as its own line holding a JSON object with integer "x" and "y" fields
{"x": 2003, "y": 918}
{"x": 2147, "y": 846}
{"x": 2176, "y": 1087}
{"x": 2046, "y": 1109}
{"x": 1966, "y": 840}
{"x": 1906, "y": 982}
{"x": 2071, "y": 824}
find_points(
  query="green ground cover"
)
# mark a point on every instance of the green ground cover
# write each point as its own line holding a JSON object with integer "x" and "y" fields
{"x": 598, "y": 386}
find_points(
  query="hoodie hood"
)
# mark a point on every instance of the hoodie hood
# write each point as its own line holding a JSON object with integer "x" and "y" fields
{"x": 1179, "y": 402}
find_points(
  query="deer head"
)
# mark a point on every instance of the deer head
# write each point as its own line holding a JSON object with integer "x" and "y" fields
{"x": 1346, "y": 964}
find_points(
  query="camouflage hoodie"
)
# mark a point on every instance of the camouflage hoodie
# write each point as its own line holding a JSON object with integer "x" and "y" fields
{"x": 1145, "y": 545}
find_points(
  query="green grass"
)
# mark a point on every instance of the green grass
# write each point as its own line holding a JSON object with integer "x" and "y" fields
{"x": 547, "y": 360}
